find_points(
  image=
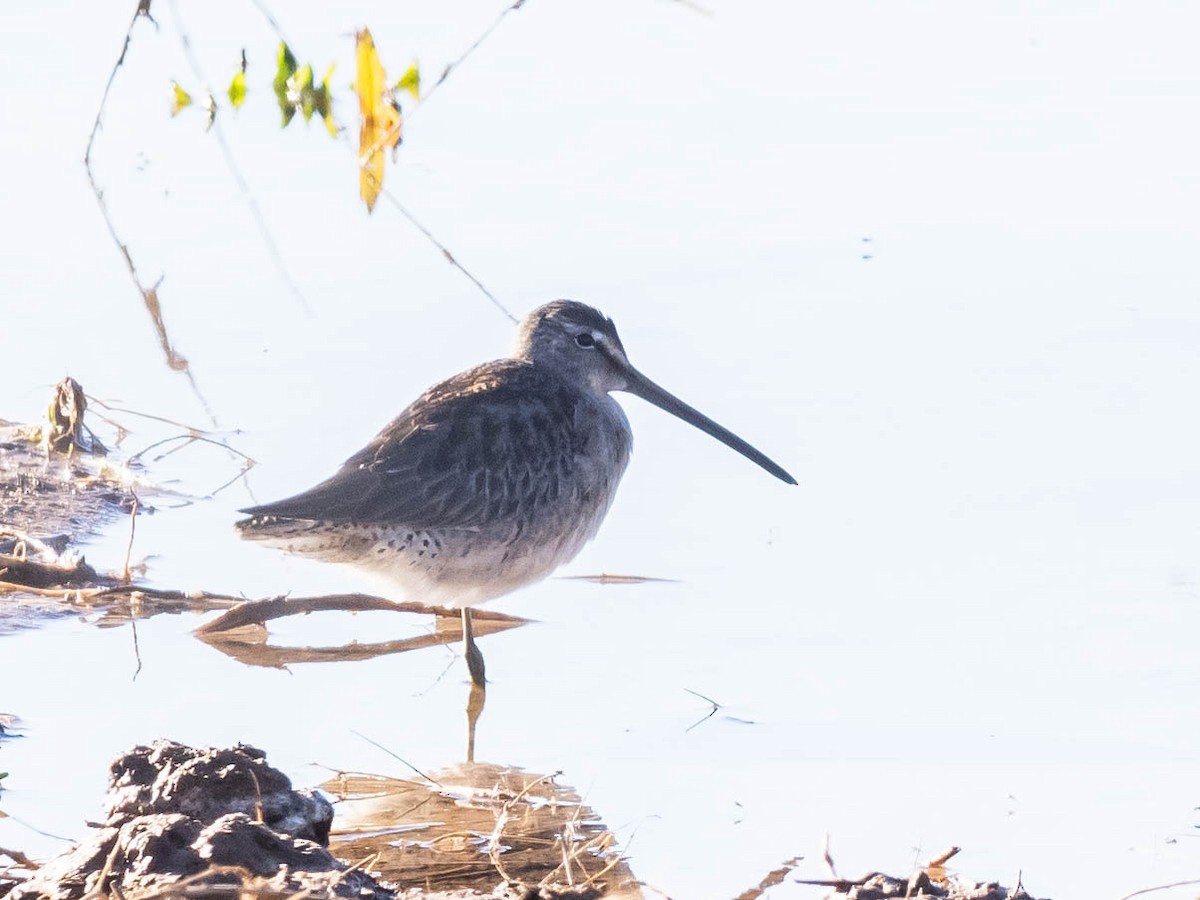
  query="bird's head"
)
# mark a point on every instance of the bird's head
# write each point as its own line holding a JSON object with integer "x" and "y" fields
{"x": 580, "y": 344}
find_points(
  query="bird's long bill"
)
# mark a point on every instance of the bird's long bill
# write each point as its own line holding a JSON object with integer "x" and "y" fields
{"x": 641, "y": 386}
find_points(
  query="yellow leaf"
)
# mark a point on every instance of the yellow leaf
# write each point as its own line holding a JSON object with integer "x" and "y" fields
{"x": 326, "y": 109}
{"x": 411, "y": 81}
{"x": 379, "y": 118}
{"x": 180, "y": 99}
{"x": 237, "y": 89}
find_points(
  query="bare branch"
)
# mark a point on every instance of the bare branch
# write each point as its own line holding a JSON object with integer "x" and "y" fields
{"x": 149, "y": 294}
{"x": 451, "y": 67}
{"x": 259, "y": 612}
{"x": 231, "y": 163}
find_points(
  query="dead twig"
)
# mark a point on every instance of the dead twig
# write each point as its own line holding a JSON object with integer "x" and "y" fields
{"x": 450, "y": 258}
{"x": 403, "y": 210}
{"x": 575, "y": 852}
{"x": 258, "y": 804}
{"x": 19, "y": 858}
{"x": 712, "y": 712}
{"x": 935, "y": 872}
{"x": 394, "y": 756}
{"x": 143, "y": 9}
{"x": 137, "y": 650}
{"x": 101, "y": 884}
{"x": 149, "y": 294}
{"x": 142, "y": 601}
{"x": 271, "y": 20}
{"x": 941, "y": 860}
{"x": 618, "y": 579}
{"x": 203, "y": 597}
{"x": 771, "y": 879}
{"x": 240, "y": 633}
{"x": 452, "y": 66}
{"x": 181, "y": 442}
{"x": 1161, "y": 887}
{"x": 259, "y": 612}
{"x": 126, "y": 575}
{"x": 839, "y": 885}
{"x": 186, "y": 440}
{"x": 502, "y": 820}
{"x": 96, "y": 401}
{"x": 247, "y": 465}
{"x": 827, "y": 858}
{"x": 391, "y": 198}
{"x": 235, "y": 171}
{"x": 58, "y": 593}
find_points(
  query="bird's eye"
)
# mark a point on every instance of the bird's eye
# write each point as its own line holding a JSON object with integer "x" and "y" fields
{"x": 585, "y": 339}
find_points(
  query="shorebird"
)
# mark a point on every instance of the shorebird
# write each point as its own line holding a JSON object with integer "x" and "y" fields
{"x": 491, "y": 479}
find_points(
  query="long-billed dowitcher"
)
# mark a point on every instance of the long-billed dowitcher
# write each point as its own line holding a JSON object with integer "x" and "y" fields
{"x": 492, "y": 479}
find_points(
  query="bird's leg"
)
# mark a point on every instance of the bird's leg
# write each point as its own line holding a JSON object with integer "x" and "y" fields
{"x": 471, "y": 651}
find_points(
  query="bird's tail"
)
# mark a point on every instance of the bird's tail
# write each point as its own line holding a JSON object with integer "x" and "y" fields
{"x": 335, "y": 542}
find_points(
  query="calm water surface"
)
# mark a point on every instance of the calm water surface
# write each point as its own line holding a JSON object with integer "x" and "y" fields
{"x": 973, "y": 623}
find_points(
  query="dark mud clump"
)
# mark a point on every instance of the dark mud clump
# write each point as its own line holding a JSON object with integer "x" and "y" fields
{"x": 177, "y": 816}
{"x": 931, "y": 882}
{"x": 883, "y": 887}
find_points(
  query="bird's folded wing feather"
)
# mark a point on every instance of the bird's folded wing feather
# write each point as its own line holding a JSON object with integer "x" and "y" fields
{"x": 490, "y": 444}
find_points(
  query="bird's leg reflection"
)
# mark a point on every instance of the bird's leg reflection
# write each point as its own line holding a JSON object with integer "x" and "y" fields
{"x": 471, "y": 651}
{"x": 478, "y": 694}
{"x": 475, "y": 701}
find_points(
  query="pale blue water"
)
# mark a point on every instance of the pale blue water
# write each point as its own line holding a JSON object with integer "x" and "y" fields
{"x": 973, "y": 622}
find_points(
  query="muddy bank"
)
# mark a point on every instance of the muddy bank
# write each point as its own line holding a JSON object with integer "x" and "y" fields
{"x": 179, "y": 821}
{"x": 56, "y": 488}
{"x": 54, "y": 479}
{"x": 208, "y": 822}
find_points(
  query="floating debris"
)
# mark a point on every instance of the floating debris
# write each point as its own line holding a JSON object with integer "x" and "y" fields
{"x": 465, "y": 827}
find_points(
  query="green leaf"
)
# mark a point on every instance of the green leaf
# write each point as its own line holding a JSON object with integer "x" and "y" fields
{"x": 180, "y": 99}
{"x": 410, "y": 81}
{"x": 284, "y": 70}
{"x": 237, "y": 90}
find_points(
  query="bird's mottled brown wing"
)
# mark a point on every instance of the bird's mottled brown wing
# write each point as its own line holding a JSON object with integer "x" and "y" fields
{"x": 492, "y": 443}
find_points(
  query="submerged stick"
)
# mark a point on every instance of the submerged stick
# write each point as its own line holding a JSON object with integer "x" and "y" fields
{"x": 259, "y": 612}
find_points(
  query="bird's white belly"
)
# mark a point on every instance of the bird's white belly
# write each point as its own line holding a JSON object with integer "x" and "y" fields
{"x": 465, "y": 568}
